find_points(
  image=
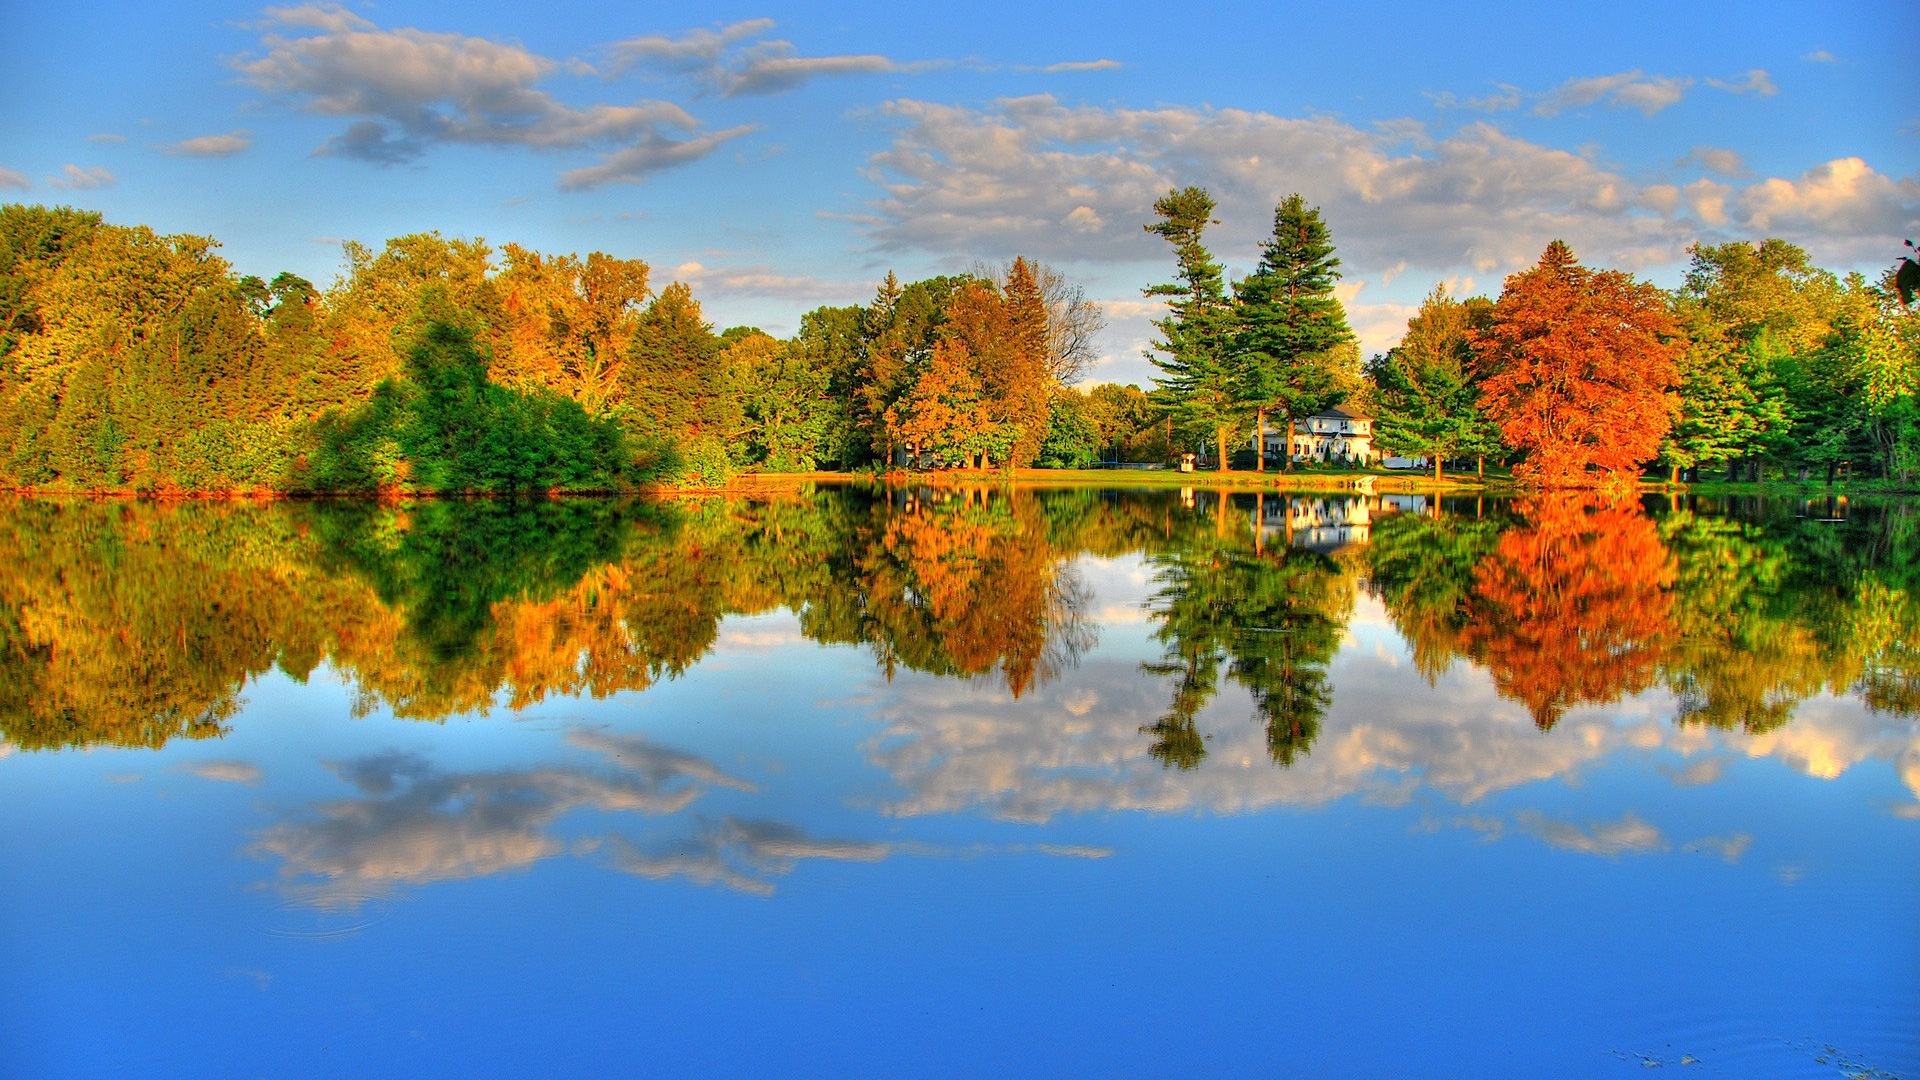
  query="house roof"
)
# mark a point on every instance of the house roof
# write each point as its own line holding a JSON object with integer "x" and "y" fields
{"x": 1339, "y": 413}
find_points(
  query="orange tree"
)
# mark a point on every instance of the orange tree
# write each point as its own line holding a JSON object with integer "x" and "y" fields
{"x": 1585, "y": 363}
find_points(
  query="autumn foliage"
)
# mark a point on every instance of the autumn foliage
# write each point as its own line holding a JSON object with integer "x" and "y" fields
{"x": 1575, "y": 607}
{"x": 1585, "y": 363}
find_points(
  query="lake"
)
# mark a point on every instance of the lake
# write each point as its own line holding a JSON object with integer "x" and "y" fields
{"x": 957, "y": 782}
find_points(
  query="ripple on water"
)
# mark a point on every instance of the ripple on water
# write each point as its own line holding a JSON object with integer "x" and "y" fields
{"x": 1872, "y": 1041}
{"x": 319, "y": 918}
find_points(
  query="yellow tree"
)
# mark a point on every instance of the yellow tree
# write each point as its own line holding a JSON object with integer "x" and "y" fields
{"x": 569, "y": 321}
{"x": 943, "y": 413}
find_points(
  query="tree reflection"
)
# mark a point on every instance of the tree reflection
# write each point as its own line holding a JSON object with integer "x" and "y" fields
{"x": 1574, "y": 606}
{"x": 1273, "y": 618}
{"x": 133, "y": 623}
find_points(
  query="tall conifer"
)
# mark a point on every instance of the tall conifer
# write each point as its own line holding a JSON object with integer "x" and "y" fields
{"x": 1289, "y": 323}
{"x": 1197, "y": 385}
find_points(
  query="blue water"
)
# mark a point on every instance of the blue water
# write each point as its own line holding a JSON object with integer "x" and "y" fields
{"x": 785, "y": 863}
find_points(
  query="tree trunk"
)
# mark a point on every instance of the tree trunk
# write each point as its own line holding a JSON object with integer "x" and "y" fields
{"x": 1260, "y": 439}
{"x": 1480, "y": 466}
{"x": 1286, "y": 454}
{"x": 1436, "y": 468}
{"x": 1220, "y": 436}
{"x": 1673, "y": 474}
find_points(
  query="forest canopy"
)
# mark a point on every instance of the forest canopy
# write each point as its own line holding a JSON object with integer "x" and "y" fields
{"x": 136, "y": 362}
{"x": 132, "y": 361}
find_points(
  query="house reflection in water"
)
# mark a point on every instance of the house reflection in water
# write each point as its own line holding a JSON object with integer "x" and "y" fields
{"x": 1327, "y": 523}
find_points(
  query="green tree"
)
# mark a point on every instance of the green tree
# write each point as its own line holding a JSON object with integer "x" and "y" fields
{"x": 1289, "y": 326}
{"x": 679, "y": 388}
{"x": 1073, "y": 439}
{"x": 1194, "y": 351}
{"x": 1427, "y": 388}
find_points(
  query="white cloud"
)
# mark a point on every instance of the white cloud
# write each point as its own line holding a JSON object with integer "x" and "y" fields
{"x": 770, "y": 74}
{"x": 230, "y": 772}
{"x": 410, "y": 89}
{"x": 1503, "y": 98}
{"x": 1844, "y": 197}
{"x": 1755, "y": 82}
{"x": 226, "y": 145}
{"x": 11, "y": 180}
{"x": 648, "y": 156}
{"x": 1821, "y": 56}
{"x": 413, "y": 824}
{"x": 75, "y": 178}
{"x": 1708, "y": 201}
{"x": 1034, "y": 176}
{"x": 730, "y": 62}
{"x": 106, "y": 137}
{"x": 1628, "y": 89}
{"x": 1729, "y": 847}
{"x": 1716, "y": 160}
{"x": 739, "y": 854}
{"x": 1084, "y": 65}
{"x": 762, "y": 280}
{"x": 692, "y": 52}
{"x": 1627, "y": 836}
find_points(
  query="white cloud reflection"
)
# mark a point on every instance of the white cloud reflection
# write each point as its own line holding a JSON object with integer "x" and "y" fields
{"x": 1075, "y": 746}
{"x": 414, "y": 824}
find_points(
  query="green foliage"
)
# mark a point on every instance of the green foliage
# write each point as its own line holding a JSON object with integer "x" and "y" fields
{"x": 1073, "y": 442}
{"x": 1274, "y": 620}
{"x": 705, "y": 462}
{"x": 1288, "y": 324}
{"x": 447, "y": 562}
{"x": 1198, "y": 382}
{"x": 1427, "y": 389}
{"x": 1128, "y": 424}
{"x": 789, "y": 416}
{"x": 447, "y": 428}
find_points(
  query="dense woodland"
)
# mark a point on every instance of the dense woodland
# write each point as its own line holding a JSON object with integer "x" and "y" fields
{"x": 1760, "y": 364}
{"x": 134, "y": 361}
{"x": 131, "y": 361}
{"x": 133, "y": 623}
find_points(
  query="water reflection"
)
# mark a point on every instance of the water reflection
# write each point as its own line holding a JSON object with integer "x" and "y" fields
{"x": 134, "y": 623}
{"x": 413, "y": 824}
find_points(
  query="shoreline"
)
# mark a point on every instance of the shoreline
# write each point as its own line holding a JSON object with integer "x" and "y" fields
{"x": 1354, "y": 482}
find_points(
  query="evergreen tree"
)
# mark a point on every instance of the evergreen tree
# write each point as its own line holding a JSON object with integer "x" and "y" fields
{"x": 1289, "y": 325}
{"x": 679, "y": 388}
{"x": 1197, "y": 383}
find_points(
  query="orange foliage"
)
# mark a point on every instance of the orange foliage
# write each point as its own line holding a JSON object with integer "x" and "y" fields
{"x": 1574, "y": 608}
{"x": 1584, "y": 363}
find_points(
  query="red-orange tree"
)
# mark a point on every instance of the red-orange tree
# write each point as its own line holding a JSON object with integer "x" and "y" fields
{"x": 1585, "y": 362}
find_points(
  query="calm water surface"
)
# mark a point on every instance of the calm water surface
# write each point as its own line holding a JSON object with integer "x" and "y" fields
{"x": 961, "y": 783}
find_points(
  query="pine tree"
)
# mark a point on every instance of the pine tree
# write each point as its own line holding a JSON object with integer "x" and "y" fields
{"x": 1028, "y": 390}
{"x": 1289, "y": 324}
{"x": 1197, "y": 385}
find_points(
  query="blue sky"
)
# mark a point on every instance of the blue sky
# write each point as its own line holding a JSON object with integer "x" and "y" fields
{"x": 783, "y": 156}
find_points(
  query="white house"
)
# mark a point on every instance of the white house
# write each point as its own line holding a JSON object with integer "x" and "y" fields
{"x": 1334, "y": 435}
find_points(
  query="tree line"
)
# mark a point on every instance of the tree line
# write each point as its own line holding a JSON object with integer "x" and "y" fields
{"x": 133, "y": 361}
{"x": 1759, "y": 363}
